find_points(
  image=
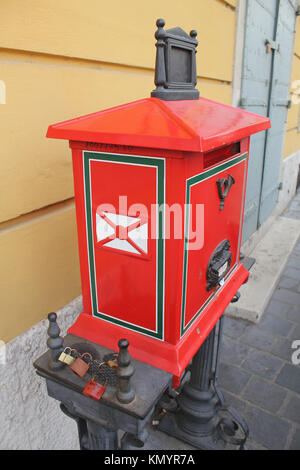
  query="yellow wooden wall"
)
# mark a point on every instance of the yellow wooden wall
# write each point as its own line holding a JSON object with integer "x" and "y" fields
{"x": 292, "y": 137}
{"x": 61, "y": 59}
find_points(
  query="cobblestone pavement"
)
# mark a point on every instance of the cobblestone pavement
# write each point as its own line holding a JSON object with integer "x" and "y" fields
{"x": 256, "y": 372}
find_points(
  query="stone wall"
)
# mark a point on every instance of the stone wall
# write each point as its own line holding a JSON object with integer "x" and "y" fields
{"x": 31, "y": 420}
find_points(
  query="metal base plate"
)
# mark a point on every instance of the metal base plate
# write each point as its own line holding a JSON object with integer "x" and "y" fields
{"x": 175, "y": 95}
{"x": 169, "y": 425}
{"x": 148, "y": 382}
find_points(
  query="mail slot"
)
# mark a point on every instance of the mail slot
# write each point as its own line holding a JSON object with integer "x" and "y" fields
{"x": 159, "y": 189}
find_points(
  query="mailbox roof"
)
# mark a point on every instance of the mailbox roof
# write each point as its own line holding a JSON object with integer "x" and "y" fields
{"x": 189, "y": 125}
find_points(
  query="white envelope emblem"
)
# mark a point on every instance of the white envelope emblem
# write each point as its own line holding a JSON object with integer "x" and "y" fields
{"x": 122, "y": 232}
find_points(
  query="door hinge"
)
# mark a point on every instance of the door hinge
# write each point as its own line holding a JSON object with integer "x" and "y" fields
{"x": 245, "y": 102}
{"x": 298, "y": 11}
{"x": 272, "y": 45}
{"x": 285, "y": 103}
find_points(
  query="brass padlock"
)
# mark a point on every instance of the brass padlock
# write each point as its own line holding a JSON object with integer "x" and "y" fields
{"x": 113, "y": 364}
{"x": 79, "y": 366}
{"x": 67, "y": 358}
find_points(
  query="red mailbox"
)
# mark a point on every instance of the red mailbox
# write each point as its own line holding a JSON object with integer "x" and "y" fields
{"x": 159, "y": 190}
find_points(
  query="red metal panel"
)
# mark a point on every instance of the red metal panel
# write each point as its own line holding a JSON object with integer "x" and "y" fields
{"x": 174, "y": 353}
{"x": 216, "y": 124}
{"x": 217, "y": 225}
{"x": 191, "y": 125}
{"x": 125, "y": 266}
{"x": 166, "y": 356}
{"x": 174, "y": 220}
{"x": 81, "y": 229}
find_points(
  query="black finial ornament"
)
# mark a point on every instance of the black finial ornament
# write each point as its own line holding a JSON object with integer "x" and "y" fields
{"x": 125, "y": 393}
{"x": 54, "y": 342}
{"x": 175, "y": 65}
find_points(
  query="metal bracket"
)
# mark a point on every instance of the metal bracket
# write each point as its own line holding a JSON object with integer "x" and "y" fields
{"x": 284, "y": 103}
{"x": 224, "y": 185}
{"x": 272, "y": 45}
{"x": 245, "y": 102}
{"x": 235, "y": 298}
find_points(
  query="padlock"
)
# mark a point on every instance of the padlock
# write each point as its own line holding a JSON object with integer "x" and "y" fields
{"x": 79, "y": 366}
{"x": 67, "y": 358}
{"x": 94, "y": 390}
{"x": 113, "y": 364}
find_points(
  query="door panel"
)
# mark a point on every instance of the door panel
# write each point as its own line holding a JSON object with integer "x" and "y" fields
{"x": 280, "y": 84}
{"x": 260, "y": 20}
{"x": 265, "y": 86}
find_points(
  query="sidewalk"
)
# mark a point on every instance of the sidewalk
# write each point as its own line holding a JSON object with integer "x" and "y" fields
{"x": 256, "y": 372}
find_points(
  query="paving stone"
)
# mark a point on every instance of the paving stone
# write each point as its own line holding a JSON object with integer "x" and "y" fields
{"x": 295, "y": 444}
{"x": 294, "y": 261}
{"x": 285, "y": 295}
{"x": 295, "y": 333}
{"x": 277, "y": 308}
{"x": 292, "y": 411}
{"x": 295, "y": 205}
{"x": 289, "y": 377}
{"x": 266, "y": 429}
{"x": 252, "y": 445}
{"x": 262, "y": 363}
{"x": 292, "y": 272}
{"x": 158, "y": 440}
{"x": 264, "y": 394}
{"x": 283, "y": 349}
{"x": 257, "y": 338}
{"x": 233, "y": 352}
{"x": 288, "y": 283}
{"x": 232, "y": 378}
{"x": 234, "y": 327}
{"x": 276, "y": 325}
{"x": 293, "y": 214}
{"x": 297, "y": 250}
{"x": 239, "y": 405}
{"x": 293, "y": 314}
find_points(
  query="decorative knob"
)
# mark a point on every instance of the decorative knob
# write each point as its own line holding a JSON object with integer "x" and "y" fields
{"x": 125, "y": 371}
{"x": 54, "y": 342}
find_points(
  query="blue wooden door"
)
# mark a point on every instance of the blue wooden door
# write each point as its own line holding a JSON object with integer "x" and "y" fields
{"x": 268, "y": 53}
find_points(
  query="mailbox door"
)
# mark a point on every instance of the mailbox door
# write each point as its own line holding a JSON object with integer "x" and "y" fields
{"x": 213, "y": 225}
{"x": 125, "y": 239}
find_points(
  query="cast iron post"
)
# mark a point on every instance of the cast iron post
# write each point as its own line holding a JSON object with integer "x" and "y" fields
{"x": 202, "y": 418}
{"x": 198, "y": 400}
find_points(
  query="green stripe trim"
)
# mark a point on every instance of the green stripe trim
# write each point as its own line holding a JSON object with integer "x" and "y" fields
{"x": 189, "y": 183}
{"x": 138, "y": 161}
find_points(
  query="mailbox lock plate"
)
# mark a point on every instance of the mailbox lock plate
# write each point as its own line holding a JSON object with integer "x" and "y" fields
{"x": 218, "y": 265}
